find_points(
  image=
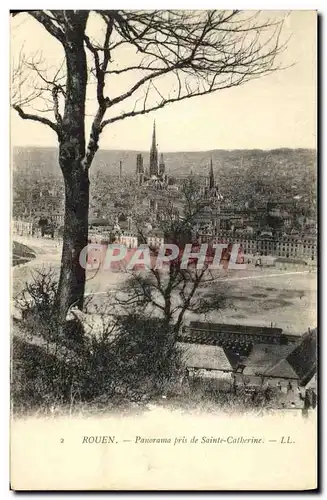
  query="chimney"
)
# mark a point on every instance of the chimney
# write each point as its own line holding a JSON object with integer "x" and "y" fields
{"x": 120, "y": 169}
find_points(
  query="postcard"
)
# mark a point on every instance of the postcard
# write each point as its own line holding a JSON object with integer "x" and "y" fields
{"x": 164, "y": 250}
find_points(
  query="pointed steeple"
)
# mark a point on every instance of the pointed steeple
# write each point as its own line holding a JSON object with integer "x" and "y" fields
{"x": 154, "y": 140}
{"x": 211, "y": 176}
{"x": 154, "y": 153}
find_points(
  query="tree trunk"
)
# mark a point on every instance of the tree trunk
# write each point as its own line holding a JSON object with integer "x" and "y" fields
{"x": 71, "y": 155}
{"x": 167, "y": 311}
{"x": 72, "y": 274}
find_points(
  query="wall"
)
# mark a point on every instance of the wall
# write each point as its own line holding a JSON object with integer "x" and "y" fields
{"x": 22, "y": 228}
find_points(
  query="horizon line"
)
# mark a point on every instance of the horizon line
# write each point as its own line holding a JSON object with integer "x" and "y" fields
{"x": 313, "y": 148}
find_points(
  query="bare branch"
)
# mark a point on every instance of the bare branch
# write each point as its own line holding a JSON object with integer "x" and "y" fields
{"x": 47, "y": 22}
{"x": 35, "y": 118}
{"x": 100, "y": 71}
{"x": 206, "y": 51}
{"x": 201, "y": 51}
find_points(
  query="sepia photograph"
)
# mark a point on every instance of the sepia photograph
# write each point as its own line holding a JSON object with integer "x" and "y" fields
{"x": 164, "y": 250}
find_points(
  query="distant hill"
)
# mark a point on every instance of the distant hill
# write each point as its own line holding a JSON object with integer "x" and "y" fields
{"x": 28, "y": 159}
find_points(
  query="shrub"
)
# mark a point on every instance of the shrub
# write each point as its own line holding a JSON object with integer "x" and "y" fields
{"x": 134, "y": 361}
{"x": 36, "y": 303}
{"x": 146, "y": 362}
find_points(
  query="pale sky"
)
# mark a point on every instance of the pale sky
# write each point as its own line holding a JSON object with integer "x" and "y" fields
{"x": 275, "y": 111}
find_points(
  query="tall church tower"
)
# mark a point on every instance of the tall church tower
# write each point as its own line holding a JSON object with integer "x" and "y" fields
{"x": 139, "y": 169}
{"x": 139, "y": 164}
{"x": 154, "y": 153}
{"x": 211, "y": 177}
{"x": 162, "y": 167}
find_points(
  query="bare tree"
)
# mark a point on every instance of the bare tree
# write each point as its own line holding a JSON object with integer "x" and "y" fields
{"x": 173, "y": 55}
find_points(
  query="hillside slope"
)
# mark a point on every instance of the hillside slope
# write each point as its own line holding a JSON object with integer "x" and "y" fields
{"x": 26, "y": 159}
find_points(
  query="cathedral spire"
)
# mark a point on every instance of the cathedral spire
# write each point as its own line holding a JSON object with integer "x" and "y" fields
{"x": 154, "y": 153}
{"x": 211, "y": 176}
{"x": 154, "y": 140}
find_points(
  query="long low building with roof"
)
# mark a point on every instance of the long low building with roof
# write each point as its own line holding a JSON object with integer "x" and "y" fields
{"x": 284, "y": 365}
{"x": 208, "y": 363}
{"x": 287, "y": 367}
{"x": 229, "y": 335}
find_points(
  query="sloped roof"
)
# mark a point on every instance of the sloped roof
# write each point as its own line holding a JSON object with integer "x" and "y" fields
{"x": 233, "y": 357}
{"x": 303, "y": 359}
{"x": 282, "y": 370}
{"x": 291, "y": 362}
{"x": 265, "y": 356}
{"x": 215, "y": 374}
{"x": 231, "y": 328}
{"x": 99, "y": 222}
{"x": 204, "y": 356}
{"x": 207, "y": 333}
{"x": 312, "y": 384}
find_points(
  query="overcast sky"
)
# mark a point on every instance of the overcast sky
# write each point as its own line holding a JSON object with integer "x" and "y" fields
{"x": 275, "y": 111}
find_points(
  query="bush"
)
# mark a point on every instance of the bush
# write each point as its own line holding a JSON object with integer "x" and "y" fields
{"x": 36, "y": 303}
{"x": 134, "y": 362}
{"x": 146, "y": 362}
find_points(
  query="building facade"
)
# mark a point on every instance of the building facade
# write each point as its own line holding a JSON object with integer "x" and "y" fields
{"x": 297, "y": 247}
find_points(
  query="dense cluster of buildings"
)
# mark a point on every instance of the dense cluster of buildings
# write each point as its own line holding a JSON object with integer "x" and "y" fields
{"x": 35, "y": 199}
{"x": 233, "y": 355}
{"x": 218, "y": 219}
